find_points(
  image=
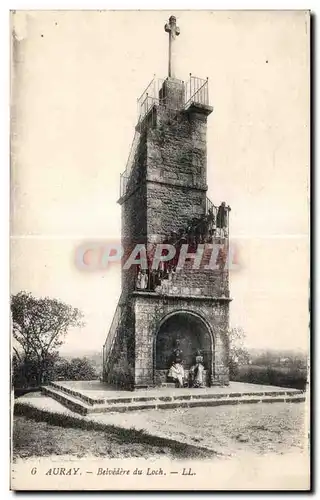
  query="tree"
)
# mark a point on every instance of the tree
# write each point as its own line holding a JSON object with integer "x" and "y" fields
{"x": 75, "y": 369}
{"x": 238, "y": 354}
{"x": 39, "y": 327}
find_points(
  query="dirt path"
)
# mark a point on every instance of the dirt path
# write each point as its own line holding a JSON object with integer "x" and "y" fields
{"x": 228, "y": 430}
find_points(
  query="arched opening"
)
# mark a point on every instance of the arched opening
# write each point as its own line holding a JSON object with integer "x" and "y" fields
{"x": 192, "y": 333}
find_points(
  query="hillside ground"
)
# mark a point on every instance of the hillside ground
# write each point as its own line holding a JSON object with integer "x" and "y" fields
{"x": 260, "y": 429}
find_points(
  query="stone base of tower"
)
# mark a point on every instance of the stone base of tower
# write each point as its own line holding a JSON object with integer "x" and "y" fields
{"x": 154, "y": 323}
{"x": 198, "y": 322}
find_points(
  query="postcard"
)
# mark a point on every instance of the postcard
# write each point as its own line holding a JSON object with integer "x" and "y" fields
{"x": 160, "y": 198}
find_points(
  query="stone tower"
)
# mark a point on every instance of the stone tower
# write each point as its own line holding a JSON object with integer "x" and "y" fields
{"x": 163, "y": 201}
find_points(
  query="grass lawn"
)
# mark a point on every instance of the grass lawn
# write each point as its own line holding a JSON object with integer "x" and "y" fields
{"x": 39, "y": 439}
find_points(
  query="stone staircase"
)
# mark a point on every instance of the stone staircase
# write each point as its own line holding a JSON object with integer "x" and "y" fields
{"x": 80, "y": 403}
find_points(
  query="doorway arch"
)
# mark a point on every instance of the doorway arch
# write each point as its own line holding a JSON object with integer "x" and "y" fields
{"x": 193, "y": 333}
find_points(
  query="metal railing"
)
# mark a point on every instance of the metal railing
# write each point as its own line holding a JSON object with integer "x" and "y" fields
{"x": 210, "y": 207}
{"x": 196, "y": 90}
{"x": 146, "y": 105}
{"x": 132, "y": 152}
{"x": 149, "y": 97}
{"x": 218, "y": 217}
{"x": 124, "y": 177}
{"x": 123, "y": 183}
{"x": 109, "y": 343}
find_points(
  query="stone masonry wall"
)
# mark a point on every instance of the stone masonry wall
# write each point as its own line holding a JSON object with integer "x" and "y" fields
{"x": 150, "y": 311}
{"x": 208, "y": 282}
{"x": 170, "y": 208}
{"x": 176, "y": 172}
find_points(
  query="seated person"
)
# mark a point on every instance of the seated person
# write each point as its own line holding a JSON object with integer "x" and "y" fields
{"x": 176, "y": 371}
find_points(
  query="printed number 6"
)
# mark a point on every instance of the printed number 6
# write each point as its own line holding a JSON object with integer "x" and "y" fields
{"x": 34, "y": 471}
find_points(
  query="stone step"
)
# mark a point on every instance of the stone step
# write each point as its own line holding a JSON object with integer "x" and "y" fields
{"x": 121, "y": 405}
{"x": 156, "y": 395}
{"x": 76, "y": 394}
{"x": 70, "y": 402}
{"x": 157, "y": 405}
{"x": 190, "y": 394}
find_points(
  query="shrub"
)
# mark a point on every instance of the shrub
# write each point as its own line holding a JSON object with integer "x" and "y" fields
{"x": 121, "y": 375}
{"x": 283, "y": 377}
{"x": 75, "y": 369}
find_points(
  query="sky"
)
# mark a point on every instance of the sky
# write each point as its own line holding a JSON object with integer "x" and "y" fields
{"x": 76, "y": 77}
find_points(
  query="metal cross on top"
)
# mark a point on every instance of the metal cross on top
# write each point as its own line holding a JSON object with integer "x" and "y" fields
{"x": 173, "y": 30}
